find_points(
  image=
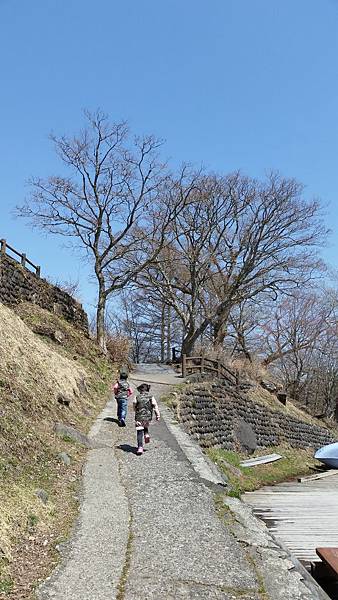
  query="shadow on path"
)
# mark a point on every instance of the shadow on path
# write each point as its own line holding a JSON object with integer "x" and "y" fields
{"x": 127, "y": 448}
{"x": 112, "y": 420}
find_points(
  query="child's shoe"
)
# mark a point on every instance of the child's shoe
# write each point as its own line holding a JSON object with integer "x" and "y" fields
{"x": 139, "y": 451}
{"x": 146, "y": 438}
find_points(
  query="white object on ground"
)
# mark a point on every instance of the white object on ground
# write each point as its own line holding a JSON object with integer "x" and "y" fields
{"x": 318, "y": 476}
{"x": 260, "y": 460}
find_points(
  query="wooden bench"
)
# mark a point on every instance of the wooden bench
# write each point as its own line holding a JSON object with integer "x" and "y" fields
{"x": 329, "y": 557}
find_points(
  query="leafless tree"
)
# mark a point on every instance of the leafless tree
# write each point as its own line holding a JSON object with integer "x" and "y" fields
{"x": 243, "y": 325}
{"x": 300, "y": 341}
{"x": 296, "y": 325}
{"x": 70, "y": 286}
{"x": 115, "y": 203}
{"x": 146, "y": 322}
{"x": 239, "y": 239}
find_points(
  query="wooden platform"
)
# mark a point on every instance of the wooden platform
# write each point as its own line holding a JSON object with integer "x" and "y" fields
{"x": 329, "y": 557}
{"x": 304, "y": 516}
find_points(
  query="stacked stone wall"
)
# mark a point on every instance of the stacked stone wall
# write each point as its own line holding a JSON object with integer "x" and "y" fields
{"x": 18, "y": 284}
{"x": 212, "y": 413}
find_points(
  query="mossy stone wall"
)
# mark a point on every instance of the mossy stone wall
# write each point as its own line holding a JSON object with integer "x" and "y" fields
{"x": 18, "y": 284}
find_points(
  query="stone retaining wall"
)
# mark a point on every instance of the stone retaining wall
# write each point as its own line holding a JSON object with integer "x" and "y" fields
{"x": 17, "y": 284}
{"x": 213, "y": 413}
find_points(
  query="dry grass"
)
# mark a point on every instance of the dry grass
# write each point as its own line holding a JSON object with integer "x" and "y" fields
{"x": 260, "y": 396}
{"x": 34, "y": 370}
{"x": 119, "y": 349}
{"x": 28, "y": 365}
{"x": 255, "y": 370}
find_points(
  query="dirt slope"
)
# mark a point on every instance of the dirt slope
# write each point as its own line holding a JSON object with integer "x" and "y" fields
{"x": 43, "y": 360}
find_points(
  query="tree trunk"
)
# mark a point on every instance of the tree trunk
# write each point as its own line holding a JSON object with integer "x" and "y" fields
{"x": 100, "y": 322}
{"x": 220, "y": 328}
{"x": 191, "y": 336}
{"x": 163, "y": 333}
{"x": 188, "y": 344}
{"x": 243, "y": 346}
{"x": 168, "y": 333}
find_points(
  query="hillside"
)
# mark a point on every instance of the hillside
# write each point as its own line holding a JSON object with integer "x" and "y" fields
{"x": 50, "y": 372}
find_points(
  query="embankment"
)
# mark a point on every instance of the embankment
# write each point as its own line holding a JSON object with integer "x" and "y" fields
{"x": 218, "y": 416}
{"x": 50, "y": 372}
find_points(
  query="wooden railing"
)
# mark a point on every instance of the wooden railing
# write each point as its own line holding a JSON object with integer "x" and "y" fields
{"x": 24, "y": 261}
{"x": 202, "y": 364}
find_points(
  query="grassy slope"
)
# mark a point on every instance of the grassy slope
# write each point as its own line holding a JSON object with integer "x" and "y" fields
{"x": 34, "y": 370}
{"x": 295, "y": 462}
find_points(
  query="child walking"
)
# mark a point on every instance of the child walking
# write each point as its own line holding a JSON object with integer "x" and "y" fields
{"x": 122, "y": 391}
{"x": 144, "y": 406}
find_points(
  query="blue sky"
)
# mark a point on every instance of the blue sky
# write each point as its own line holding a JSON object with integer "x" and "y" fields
{"x": 232, "y": 84}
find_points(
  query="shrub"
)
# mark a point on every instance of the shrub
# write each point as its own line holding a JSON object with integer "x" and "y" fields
{"x": 119, "y": 349}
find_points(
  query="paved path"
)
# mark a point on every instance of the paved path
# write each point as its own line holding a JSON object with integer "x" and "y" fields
{"x": 148, "y": 526}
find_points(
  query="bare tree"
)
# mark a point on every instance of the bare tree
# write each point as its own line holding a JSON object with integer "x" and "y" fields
{"x": 243, "y": 323}
{"x": 116, "y": 202}
{"x": 294, "y": 326}
{"x": 268, "y": 246}
{"x": 301, "y": 344}
{"x": 145, "y": 321}
{"x": 319, "y": 387}
{"x": 180, "y": 273}
{"x": 239, "y": 239}
{"x": 70, "y": 286}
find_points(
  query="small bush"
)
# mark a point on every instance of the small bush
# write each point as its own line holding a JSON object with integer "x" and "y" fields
{"x": 32, "y": 521}
{"x": 6, "y": 585}
{"x": 119, "y": 349}
{"x": 234, "y": 493}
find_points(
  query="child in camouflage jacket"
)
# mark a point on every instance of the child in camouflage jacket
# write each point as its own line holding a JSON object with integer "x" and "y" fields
{"x": 144, "y": 406}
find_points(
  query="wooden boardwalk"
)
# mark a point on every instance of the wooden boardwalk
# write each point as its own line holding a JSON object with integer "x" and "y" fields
{"x": 303, "y": 516}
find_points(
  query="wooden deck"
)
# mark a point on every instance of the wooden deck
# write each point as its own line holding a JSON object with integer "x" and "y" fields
{"x": 304, "y": 516}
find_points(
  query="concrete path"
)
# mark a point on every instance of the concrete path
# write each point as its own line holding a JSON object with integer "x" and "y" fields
{"x": 94, "y": 559}
{"x": 149, "y": 528}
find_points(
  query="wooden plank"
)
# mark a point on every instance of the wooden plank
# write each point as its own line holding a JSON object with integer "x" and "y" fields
{"x": 304, "y": 516}
{"x": 211, "y": 360}
{"x": 208, "y": 365}
{"x": 330, "y": 557}
{"x": 13, "y": 250}
{"x": 260, "y": 460}
{"x": 318, "y": 476}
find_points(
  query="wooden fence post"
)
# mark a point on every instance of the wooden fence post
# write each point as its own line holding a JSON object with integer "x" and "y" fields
{"x": 38, "y": 271}
{"x": 184, "y": 365}
{"x": 3, "y": 247}
{"x": 23, "y": 259}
